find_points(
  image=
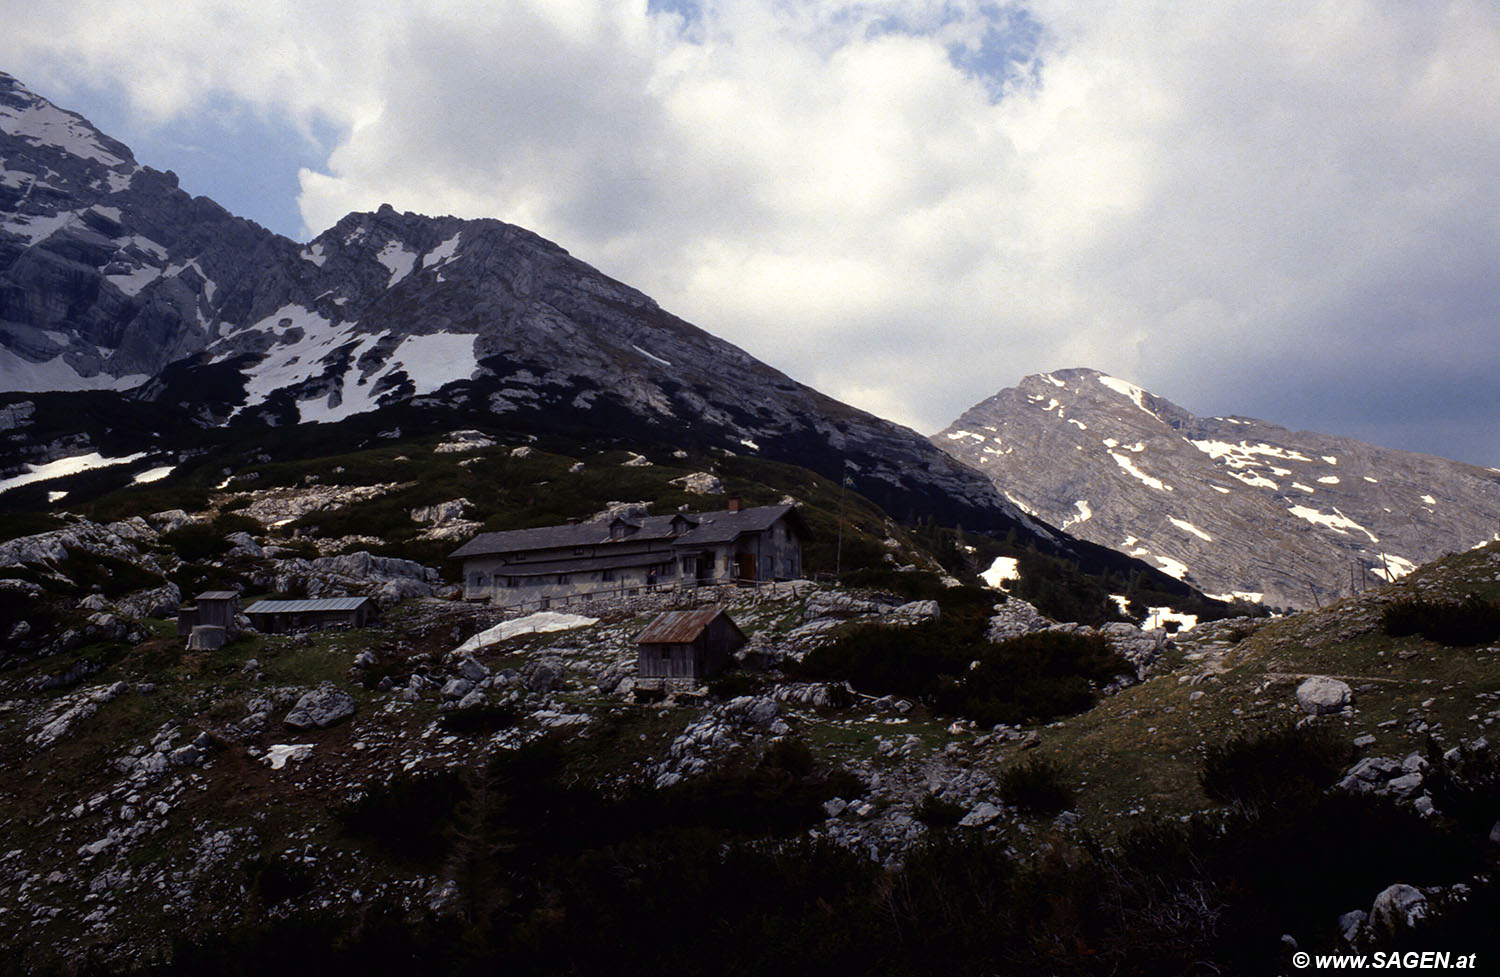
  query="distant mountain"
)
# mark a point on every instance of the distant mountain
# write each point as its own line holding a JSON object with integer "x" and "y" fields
{"x": 114, "y": 279}
{"x": 1232, "y": 505}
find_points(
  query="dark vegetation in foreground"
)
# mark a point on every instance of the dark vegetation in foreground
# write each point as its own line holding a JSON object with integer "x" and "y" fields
{"x": 718, "y": 877}
{"x": 1470, "y": 621}
{"x": 1032, "y": 678}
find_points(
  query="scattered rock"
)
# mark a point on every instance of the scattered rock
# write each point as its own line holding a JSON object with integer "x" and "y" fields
{"x": 1322, "y": 696}
{"x": 981, "y": 815}
{"x": 700, "y": 483}
{"x": 1397, "y": 910}
{"x": 321, "y": 708}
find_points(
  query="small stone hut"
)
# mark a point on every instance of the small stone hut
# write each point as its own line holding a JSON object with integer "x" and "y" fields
{"x": 682, "y": 648}
{"x": 279, "y": 616}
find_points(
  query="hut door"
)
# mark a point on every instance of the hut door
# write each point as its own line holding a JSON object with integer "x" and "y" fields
{"x": 747, "y": 566}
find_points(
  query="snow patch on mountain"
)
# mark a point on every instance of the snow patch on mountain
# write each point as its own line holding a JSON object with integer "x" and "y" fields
{"x": 651, "y": 356}
{"x": 1188, "y": 527}
{"x": 38, "y": 227}
{"x": 65, "y": 466}
{"x": 289, "y": 363}
{"x": 1125, "y": 388}
{"x": 41, "y": 123}
{"x": 1244, "y": 454}
{"x": 1255, "y": 481}
{"x": 1145, "y": 479}
{"x": 399, "y": 259}
{"x": 153, "y": 474}
{"x": 1004, "y": 568}
{"x": 1338, "y": 522}
{"x": 1393, "y": 568}
{"x": 22, "y": 374}
{"x": 433, "y": 360}
{"x": 441, "y": 253}
{"x": 1084, "y": 513}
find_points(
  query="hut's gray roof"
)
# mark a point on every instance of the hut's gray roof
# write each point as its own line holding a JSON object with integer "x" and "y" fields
{"x": 681, "y": 627}
{"x": 557, "y": 537}
{"x": 304, "y": 606}
{"x": 708, "y": 528}
{"x": 724, "y": 527}
{"x": 217, "y": 595}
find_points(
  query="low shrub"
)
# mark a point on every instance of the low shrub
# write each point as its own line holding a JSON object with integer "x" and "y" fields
{"x": 408, "y": 816}
{"x": 275, "y": 879}
{"x": 1272, "y": 767}
{"x": 1470, "y": 621}
{"x": 1032, "y": 678}
{"x": 478, "y": 720}
{"x": 195, "y": 542}
{"x": 792, "y": 756}
{"x": 937, "y": 813}
{"x": 234, "y": 522}
{"x": 1037, "y": 786}
{"x": 732, "y": 684}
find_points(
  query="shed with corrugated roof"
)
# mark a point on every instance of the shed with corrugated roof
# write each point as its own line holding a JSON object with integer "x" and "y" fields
{"x": 682, "y": 647}
{"x": 279, "y": 616}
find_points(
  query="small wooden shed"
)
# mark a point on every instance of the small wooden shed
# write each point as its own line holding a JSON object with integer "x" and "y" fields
{"x": 215, "y": 608}
{"x": 277, "y": 616}
{"x": 210, "y": 609}
{"x": 685, "y": 647}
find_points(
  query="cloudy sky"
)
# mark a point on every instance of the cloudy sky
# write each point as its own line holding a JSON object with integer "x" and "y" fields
{"x": 1284, "y": 210}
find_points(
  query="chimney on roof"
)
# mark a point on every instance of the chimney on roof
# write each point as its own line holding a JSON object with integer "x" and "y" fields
{"x": 734, "y": 503}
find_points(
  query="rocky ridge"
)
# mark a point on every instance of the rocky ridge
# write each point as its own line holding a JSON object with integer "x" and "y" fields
{"x": 122, "y": 280}
{"x": 1236, "y": 506}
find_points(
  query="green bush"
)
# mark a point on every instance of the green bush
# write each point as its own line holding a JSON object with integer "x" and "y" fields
{"x": 1470, "y": 621}
{"x": 937, "y": 813}
{"x": 408, "y": 816}
{"x": 882, "y": 660}
{"x": 195, "y": 542}
{"x": 478, "y": 720}
{"x": 1277, "y": 766}
{"x": 1032, "y": 678}
{"x": 233, "y": 522}
{"x": 732, "y": 684}
{"x": 1037, "y": 786}
{"x": 791, "y": 756}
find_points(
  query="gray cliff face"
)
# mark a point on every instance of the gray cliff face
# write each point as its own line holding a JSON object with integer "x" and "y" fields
{"x": 1233, "y": 505}
{"x": 112, "y": 277}
{"x": 108, "y": 271}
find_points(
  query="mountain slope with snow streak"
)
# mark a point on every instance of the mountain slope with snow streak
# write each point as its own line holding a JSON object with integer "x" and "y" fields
{"x": 115, "y": 279}
{"x": 1236, "y": 506}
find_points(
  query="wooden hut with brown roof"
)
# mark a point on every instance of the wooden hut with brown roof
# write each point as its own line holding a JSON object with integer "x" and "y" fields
{"x": 682, "y": 648}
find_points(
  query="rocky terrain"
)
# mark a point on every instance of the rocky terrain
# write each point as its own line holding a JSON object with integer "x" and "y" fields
{"x": 1236, "y": 506}
{"x": 152, "y": 789}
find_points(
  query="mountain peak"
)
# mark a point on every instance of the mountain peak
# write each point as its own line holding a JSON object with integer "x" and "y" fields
{"x": 1236, "y": 506}
{"x": 30, "y": 119}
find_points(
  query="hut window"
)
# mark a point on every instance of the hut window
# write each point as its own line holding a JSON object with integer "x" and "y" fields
{"x": 510, "y": 581}
{"x": 665, "y": 652}
{"x": 606, "y": 575}
{"x": 562, "y": 578}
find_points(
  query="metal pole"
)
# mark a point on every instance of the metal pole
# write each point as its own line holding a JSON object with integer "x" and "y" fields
{"x": 838, "y": 551}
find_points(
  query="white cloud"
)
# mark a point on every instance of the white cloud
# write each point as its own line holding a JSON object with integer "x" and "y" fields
{"x": 1234, "y": 205}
